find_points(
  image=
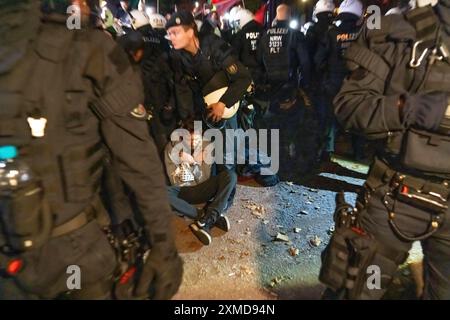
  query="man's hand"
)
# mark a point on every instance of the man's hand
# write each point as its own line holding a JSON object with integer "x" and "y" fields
{"x": 161, "y": 275}
{"x": 215, "y": 111}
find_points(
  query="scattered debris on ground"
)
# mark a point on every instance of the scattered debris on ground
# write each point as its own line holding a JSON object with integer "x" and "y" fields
{"x": 315, "y": 241}
{"x": 293, "y": 251}
{"x": 266, "y": 255}
{"x": 278, "y": 280}
{"x": 257, "y": 210}
{"x": 281, "y": 237}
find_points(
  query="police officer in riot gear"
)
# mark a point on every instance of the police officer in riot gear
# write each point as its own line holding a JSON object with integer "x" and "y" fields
{"x": 283, "y": 53}
{"x": 158, "y": 23}
{"x": 63, "y": 128}
{"x": 156, "y": 76}
{"x": 285, "y": 58}
{"x": 328, "y": 60}
{"x": 323, "y": 15}
{"x": 397, "y": 93}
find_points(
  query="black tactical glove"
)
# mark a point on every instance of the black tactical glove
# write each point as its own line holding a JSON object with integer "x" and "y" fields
{"x": 425, "y": 111}
{"x": 161, "y": 275}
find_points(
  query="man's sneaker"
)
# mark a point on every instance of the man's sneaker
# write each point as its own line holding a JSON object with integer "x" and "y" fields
{"x": 201, "y": 233}
{"x": 223, "y": 223}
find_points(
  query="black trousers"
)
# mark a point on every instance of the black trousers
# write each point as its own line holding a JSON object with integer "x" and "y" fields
{"x": 413, "y": 222}
{"x": 46, "y": 275}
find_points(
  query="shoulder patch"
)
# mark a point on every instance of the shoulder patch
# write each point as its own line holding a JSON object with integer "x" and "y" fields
{"x": 232, "y": 69}
{"x": 139, "y": 112}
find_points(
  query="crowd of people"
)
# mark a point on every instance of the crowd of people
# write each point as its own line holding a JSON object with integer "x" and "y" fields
{"x": 282, "y": 78}
{"x": 147, "y": 76}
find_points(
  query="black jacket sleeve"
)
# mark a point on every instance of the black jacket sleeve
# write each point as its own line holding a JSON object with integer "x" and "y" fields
{"x": 362, "y": 105}
{"x": 238, "y": 75}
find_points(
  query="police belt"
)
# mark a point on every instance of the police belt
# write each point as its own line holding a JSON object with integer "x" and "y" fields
{"x": 94, "y": 211}
{"x": 381, "y": 172}
{"x": 420, "y": 193}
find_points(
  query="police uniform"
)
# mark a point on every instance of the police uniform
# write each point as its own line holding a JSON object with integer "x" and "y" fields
{"x": 322, "y": 19}
{"x": 284, "y": 56}
{"x": 192, "y": 73}
{"x": 315, "y": 34}
{"x": 283, "y": 53}
{"x": 407, "y": 193}
{"x": 158, "y": 85}
{"x": 81, "y": 83}
{"x": 330, "y": 62}
{"x": 246, "y": 42}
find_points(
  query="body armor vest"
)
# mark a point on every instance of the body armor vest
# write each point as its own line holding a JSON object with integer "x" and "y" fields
{"x": 48, "y": 84}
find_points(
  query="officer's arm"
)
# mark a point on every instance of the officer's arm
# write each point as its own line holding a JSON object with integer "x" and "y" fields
{"x": 125, "y": 131}
{"x": 361, "y": 103}
{"x": 238, "y": 75}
